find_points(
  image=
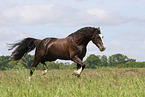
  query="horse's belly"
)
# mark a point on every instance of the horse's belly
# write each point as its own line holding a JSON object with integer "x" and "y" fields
{"x": 57, "y": 55}
{"x": 62, "y": 56}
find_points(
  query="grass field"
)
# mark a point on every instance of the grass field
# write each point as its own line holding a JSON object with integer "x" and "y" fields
{"x": 102, "y": 82}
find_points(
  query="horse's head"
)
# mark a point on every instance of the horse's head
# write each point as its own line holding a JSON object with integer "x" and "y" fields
{"x": 97, "y": 39}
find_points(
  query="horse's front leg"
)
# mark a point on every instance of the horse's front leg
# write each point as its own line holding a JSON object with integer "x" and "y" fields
{"x": 82, "y": 66}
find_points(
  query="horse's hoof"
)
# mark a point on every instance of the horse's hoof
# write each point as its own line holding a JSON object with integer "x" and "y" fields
{"x": 43, "y": 73}
{"x": 29, "y": 78}
{"x": 76, "y": 73}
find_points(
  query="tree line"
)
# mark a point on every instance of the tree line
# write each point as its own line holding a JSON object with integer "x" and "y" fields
{"x": 93, "y": 61}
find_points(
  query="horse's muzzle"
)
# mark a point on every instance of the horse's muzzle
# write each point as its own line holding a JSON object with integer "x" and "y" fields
{"x": 102, "y": 49}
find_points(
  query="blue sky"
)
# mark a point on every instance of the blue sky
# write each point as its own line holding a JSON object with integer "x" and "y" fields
{"x": 122, "y": 23}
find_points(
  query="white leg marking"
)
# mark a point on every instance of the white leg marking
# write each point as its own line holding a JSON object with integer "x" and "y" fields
{"x": 29, "y": 78}
{"x": 78, "y": 72}
{"x": 45, "y": 71}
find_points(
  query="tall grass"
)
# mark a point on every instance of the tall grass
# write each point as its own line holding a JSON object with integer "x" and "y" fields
{"x": 102, "y": 82}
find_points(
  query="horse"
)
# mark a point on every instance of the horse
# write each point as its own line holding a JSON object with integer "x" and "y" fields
{"x": 73, "y": 48}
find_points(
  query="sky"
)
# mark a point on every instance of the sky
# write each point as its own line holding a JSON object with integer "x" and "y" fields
{"x": 122, "y": 23}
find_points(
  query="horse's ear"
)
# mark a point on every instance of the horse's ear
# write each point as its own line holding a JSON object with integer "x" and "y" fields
{"x": 98, "y": 28}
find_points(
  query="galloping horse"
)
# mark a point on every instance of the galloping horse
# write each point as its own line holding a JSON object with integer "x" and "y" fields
{"x": 73, "y": 47}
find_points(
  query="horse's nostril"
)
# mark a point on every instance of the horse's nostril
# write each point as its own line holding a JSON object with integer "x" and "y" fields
{"x": 103, "y": 49}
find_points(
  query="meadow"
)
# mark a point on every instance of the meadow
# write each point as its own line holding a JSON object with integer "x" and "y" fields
{"x": 101, "y": 82}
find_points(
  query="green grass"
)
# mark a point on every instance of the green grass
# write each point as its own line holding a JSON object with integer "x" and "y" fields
{"x": 101, "y": 82}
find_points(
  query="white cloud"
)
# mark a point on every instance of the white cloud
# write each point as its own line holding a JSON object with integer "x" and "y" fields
{"x": 139, "y": 20}
{"x": 136, "y": 35}
{"x": 93, "y": 16}
{"x": 59, "y": 15}
{"x": 38, "y": 14}
{"x": 116, "y": 47}
{"x": 7, "y": 35}
{"x": 105, "y": 17}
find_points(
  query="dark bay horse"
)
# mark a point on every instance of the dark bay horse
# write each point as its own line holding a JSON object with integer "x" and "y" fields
{"x": 73, "y": 47}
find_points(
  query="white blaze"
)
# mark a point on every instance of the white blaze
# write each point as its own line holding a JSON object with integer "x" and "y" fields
{"x": 102, "y": 39}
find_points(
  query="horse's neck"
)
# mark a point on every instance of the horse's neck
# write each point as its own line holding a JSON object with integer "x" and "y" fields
{"x": 81, "y": 40}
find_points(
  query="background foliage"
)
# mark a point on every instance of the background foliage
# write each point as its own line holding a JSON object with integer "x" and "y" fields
{"x": 93, "y": 61}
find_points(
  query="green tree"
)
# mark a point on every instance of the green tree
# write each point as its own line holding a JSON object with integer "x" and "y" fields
{"x": 104, "y": 60}
{"x": 92, "y": 61}
{"x": 117, "y": 59}
{"x": 52, "y": 65}
{"x": 4, "y": 60}
{"x": 27, "y": 60}
{"x": 131, "y": 60}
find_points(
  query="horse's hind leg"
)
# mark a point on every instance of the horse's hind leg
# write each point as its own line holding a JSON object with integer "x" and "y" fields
{"x": 45, "y": 68}
{"x": 32, "y": 69}
{"x": 37, "y": 59}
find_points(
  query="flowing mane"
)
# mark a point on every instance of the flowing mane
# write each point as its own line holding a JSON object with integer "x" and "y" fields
{"x": 85, "y": 31}
{"x": 82, "y": 31}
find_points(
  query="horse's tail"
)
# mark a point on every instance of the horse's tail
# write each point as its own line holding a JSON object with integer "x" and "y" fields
{"x": 23, "y": 47}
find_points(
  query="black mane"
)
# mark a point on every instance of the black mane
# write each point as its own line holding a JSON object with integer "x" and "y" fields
{"x": 84, "y": 31}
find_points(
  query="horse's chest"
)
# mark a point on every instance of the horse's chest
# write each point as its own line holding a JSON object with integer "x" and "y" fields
{"x": 82, "y": 50}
